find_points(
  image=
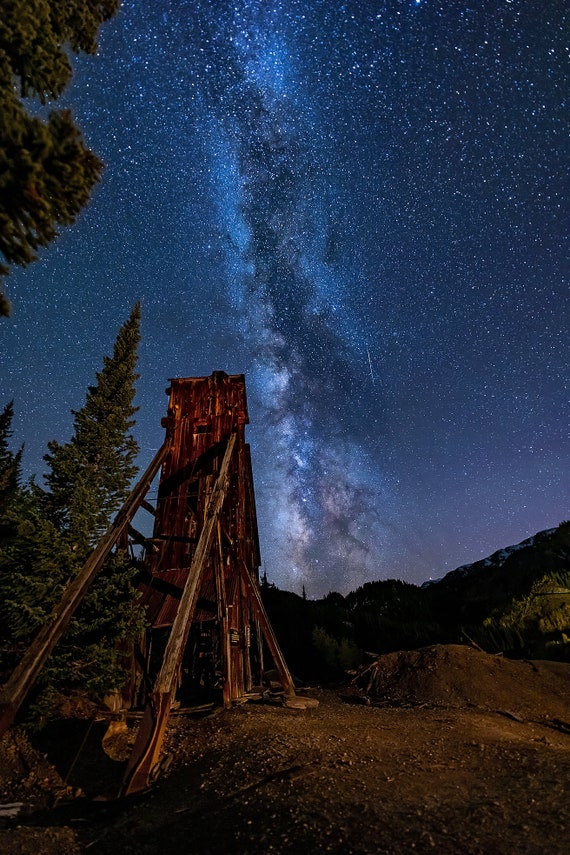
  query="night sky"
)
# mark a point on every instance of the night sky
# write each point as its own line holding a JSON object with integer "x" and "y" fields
{"x": 361, "y": 205}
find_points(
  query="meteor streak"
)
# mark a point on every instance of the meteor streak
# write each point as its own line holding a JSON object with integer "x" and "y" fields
{"x": 370, "y": 364}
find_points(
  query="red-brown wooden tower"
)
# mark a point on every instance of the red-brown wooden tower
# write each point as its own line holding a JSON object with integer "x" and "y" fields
{"x": 200, "y": 575}
{"x": 201, "y": 579}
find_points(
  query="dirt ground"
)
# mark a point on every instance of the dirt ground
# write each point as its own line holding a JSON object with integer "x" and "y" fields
{"x": 445, "y": 750}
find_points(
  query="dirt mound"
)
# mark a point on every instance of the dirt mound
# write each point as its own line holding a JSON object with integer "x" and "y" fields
{"x": 457, "y": 676}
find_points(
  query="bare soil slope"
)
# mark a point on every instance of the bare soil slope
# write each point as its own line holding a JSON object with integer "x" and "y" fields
{"x": 456, "y": 676}
{"x": 472, "y": 756}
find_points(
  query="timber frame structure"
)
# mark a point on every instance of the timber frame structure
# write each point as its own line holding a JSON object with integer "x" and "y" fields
{"x": 200, "y": 578}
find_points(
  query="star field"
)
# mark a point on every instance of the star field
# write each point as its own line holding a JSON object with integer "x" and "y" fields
{"x": 363, "y": 206}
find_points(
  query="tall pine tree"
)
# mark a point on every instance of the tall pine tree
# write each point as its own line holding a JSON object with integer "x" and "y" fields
{"x": 89, "y": 477}
{"x": 46, "y": 171}
{"x": 9, "y": 461}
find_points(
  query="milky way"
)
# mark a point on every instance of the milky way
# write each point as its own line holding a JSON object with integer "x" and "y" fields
{"x": 307, "y": 373}
{"x": 363, "y": 207}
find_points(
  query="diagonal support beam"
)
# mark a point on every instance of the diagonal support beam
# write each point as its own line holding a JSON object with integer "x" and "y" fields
{"x": 147, "y": 747}
{"x": 25, "y": 674}
{"x": 281, "y": 666}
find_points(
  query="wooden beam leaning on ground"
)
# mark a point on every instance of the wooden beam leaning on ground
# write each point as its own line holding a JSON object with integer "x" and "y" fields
{"x": 146, "y": 751}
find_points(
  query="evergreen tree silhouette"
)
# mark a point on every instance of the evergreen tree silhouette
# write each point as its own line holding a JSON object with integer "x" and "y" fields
{"x": 9, "y": 462}
{"x": 89, "y": 477}
{"x": 46, "y": 171}
{"x": 53, "y": 532}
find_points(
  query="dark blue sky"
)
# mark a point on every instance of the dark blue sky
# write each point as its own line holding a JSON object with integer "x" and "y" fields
{"x": 363, "y": 206}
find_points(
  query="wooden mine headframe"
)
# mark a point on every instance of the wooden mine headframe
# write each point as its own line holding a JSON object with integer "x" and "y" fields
{"x": 205, "y": 423}
{"x": 200, "y": 581}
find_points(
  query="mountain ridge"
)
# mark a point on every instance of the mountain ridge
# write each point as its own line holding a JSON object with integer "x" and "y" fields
{"x": 498, "y": 558}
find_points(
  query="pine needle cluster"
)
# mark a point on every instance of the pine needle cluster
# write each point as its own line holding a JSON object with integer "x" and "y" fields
{"x": 46, "y": 170}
